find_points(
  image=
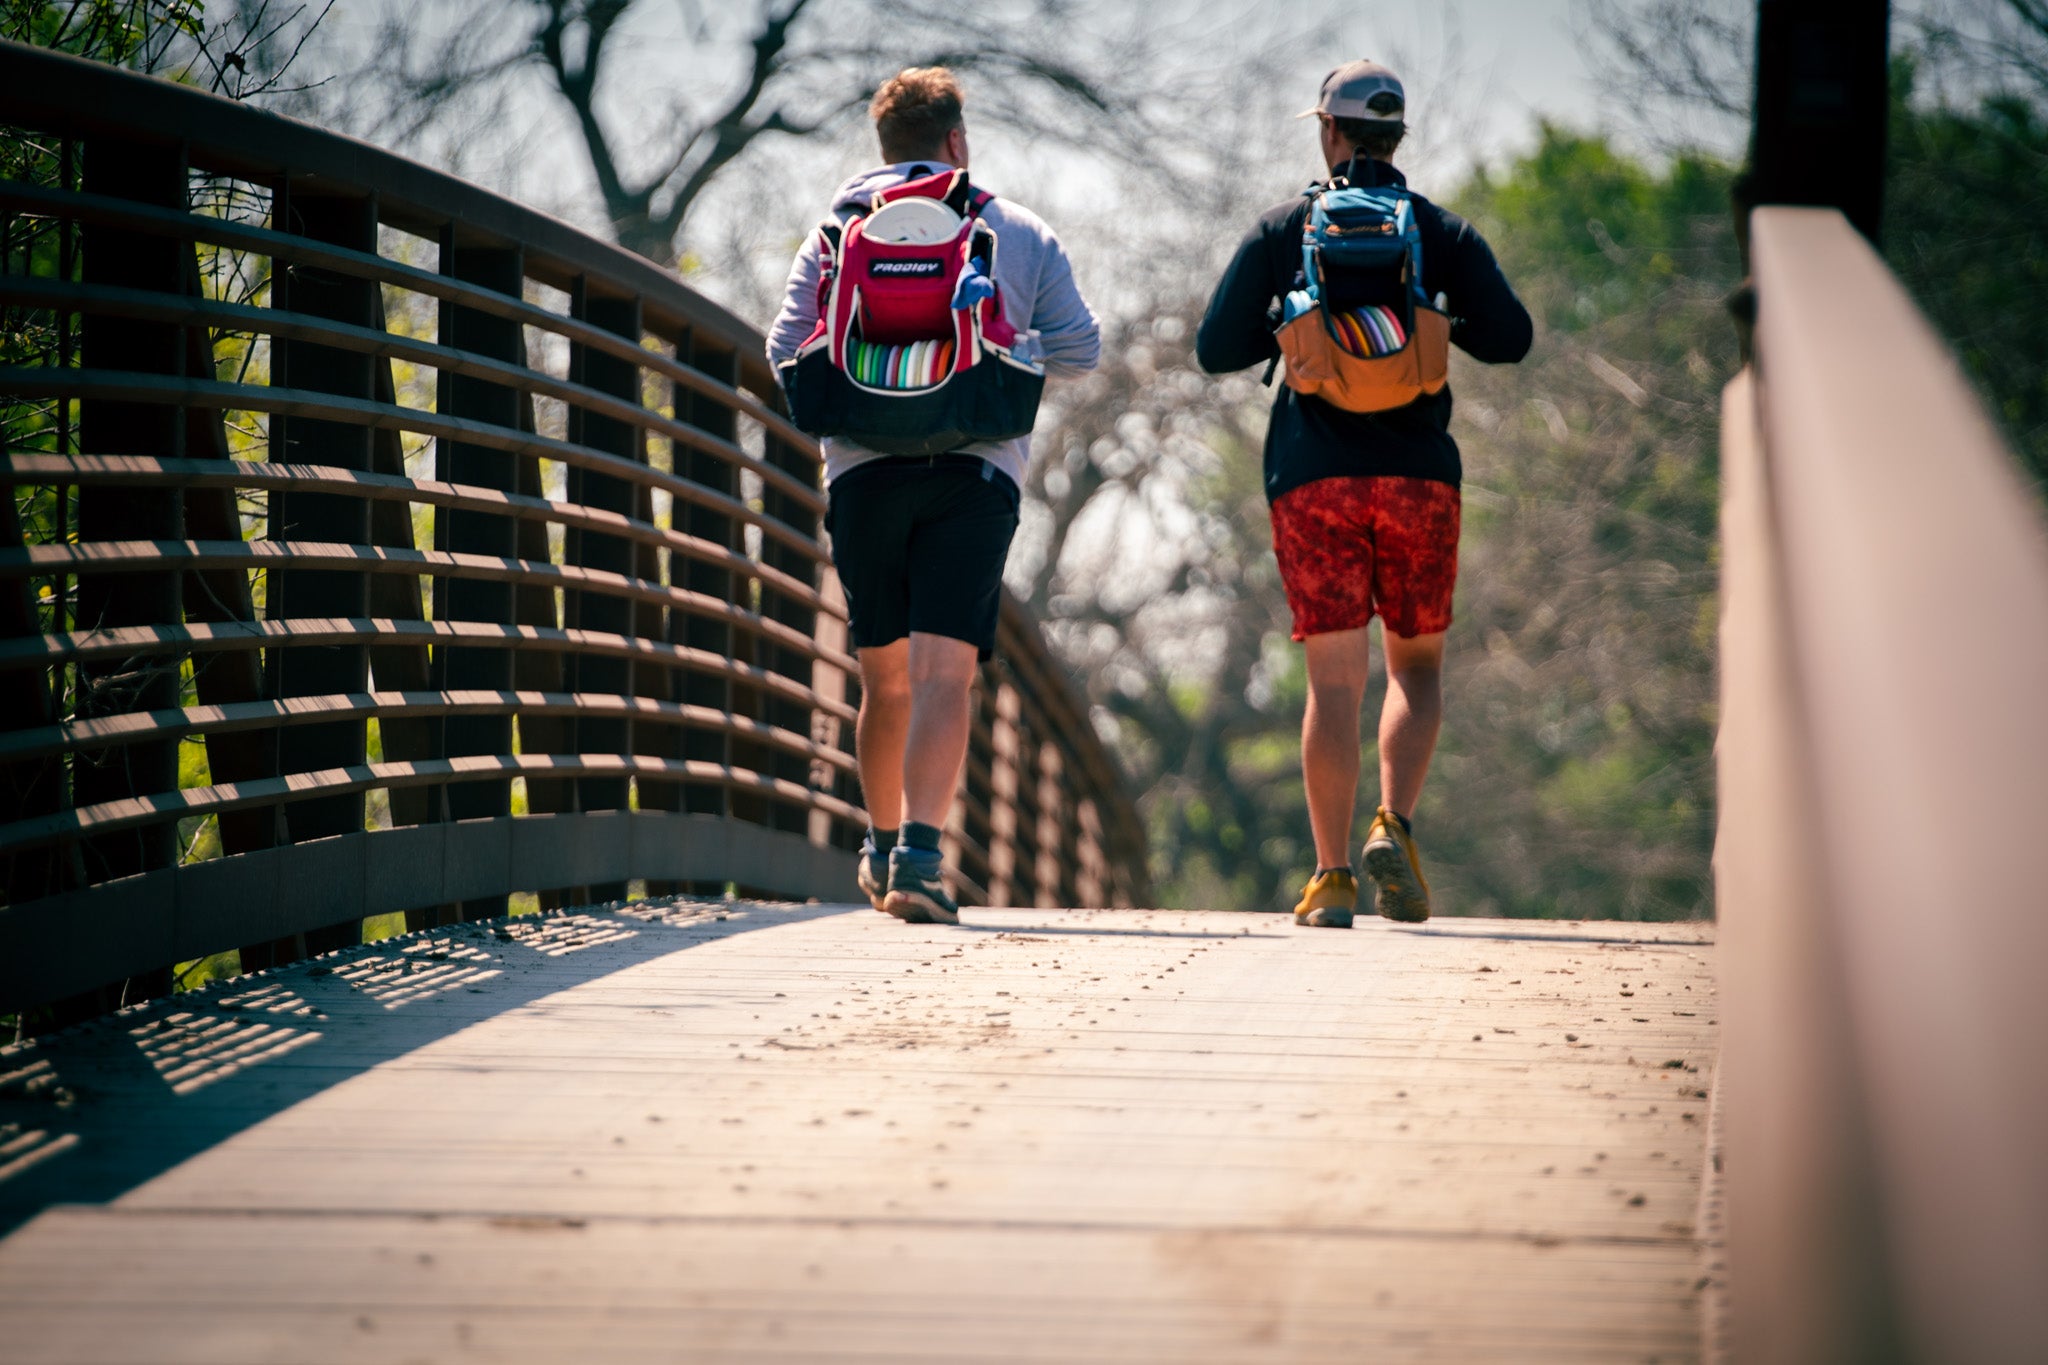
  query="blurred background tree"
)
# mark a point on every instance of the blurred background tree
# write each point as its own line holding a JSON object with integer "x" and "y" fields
{"x": 1966, "y": 197}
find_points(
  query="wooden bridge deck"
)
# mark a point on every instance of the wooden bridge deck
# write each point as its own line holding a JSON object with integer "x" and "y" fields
{"x": 762, "y": 1133}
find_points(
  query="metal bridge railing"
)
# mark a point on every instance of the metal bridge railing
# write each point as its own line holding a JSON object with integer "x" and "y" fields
{"x": 1884, "y": 797}
{"x": 381, "y": 545}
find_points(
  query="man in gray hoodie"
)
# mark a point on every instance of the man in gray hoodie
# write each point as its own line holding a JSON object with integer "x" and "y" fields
{"x": 920, "y": 542}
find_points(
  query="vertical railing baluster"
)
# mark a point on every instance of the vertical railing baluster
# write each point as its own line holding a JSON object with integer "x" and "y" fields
{"x": 456, "y": 529}
{"x": 695, "y": 687}
{"x": 802, "y": 462}
{"x": 1004, "y": 742}
{"x": 324, "y": 518}
{"x": 1091, "y": 878}
{"x": 123, "y": 258}
{"x": 32, "y": 697}
{"x": 67, "y": 265}
{"x": 34, "y": 786}
{"x": 1024, "y": 855}
{"x": 977, "y": 781}
{"x": 1052, "y": 825}
{"x": 652, "y": 680}
{"x": 221, "y": 596}
{"x": 831, "y": 684}
{"x": 540, "y": 670}
{"x": 400, "y": 667}
{"x": 597, "y": 611}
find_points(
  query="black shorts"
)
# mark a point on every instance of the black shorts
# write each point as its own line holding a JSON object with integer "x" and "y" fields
{"x": 919, "y": 543}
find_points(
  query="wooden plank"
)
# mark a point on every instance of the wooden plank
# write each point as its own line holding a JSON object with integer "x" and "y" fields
{"x": 1045, "y": 1135}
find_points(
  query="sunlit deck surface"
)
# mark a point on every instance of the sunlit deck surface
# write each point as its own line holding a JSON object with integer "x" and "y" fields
{"x": 691, "y": 1132}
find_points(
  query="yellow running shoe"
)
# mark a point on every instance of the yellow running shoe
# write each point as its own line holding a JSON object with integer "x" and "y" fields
{"x": 1328, "y": 900}
{"x": 1400, "y": 890}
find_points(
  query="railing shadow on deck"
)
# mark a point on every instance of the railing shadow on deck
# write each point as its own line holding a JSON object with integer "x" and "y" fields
{"x": 175, "y": 1076}
{"x": 377, "y": 545}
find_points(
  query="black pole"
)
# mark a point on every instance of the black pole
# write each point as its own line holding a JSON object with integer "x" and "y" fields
{"x": 1822, "y": 103}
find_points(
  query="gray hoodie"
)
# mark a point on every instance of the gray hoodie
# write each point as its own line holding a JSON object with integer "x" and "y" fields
{"x": 1038, "y": 290}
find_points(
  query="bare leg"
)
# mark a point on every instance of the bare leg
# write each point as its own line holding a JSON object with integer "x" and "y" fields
{"x": 882, "y": 729}
{"x": 1411, "y": 717}
{"x": 941, "y": 674}
{"x": 1329, "y": 739}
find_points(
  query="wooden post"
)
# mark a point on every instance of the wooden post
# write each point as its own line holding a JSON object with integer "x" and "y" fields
{"x": 1822, "y": 104}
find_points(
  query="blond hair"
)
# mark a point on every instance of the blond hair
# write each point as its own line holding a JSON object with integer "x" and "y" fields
{"x": 914, "y": 111}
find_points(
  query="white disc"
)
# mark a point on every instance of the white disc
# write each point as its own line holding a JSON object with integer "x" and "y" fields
{"x": 912, "y": 222}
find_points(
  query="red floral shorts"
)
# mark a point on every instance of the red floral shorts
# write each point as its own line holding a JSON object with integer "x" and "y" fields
{"x": 1350, "y": 547}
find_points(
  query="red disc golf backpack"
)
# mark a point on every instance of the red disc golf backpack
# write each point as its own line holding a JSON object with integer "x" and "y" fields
{"x": 912, "y": 354}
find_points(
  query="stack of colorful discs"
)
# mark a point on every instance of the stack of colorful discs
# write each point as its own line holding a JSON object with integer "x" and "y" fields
{"x": 913, "y": 365}
{"x": 1373, "y": 330}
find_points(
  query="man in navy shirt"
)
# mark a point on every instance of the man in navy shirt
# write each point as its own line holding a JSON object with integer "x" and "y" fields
{"x": 1364, "y": 505}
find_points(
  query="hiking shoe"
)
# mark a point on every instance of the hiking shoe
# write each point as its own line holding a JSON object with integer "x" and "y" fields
{"x": 917, "y": 889}
{"x": 1328, "y": 900}
{"x": 871, "y": 872}
{"x": 1400, "y": 890}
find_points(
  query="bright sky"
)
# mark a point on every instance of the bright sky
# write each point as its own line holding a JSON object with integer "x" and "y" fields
{"x": 1521, "y": 53}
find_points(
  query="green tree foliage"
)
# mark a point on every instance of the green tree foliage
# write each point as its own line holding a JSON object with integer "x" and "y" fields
{"x": 138, "y": 33}
{"x": 245, "y": 49}
{"x": 1576, "y": 777}
{"x": 1966, "y": 228}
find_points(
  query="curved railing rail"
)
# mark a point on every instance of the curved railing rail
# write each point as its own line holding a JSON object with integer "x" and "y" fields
{"x": 380, "y": 545}
{"x": 1884, "y": 780}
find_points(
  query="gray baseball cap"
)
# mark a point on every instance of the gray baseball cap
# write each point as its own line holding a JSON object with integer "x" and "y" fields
{"x": 1361, "y": 90}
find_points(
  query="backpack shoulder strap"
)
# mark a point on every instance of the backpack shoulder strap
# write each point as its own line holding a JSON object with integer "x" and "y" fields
{"x": 831, "y": 233}
{"x": 1411, "y": 234}
{"x": 950, "y": 189}
{"x": 1312, "y": 224}
{"x": 962, "y": 197}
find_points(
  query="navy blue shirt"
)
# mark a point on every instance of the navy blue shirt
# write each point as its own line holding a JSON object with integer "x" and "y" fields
{"x": 1309, "y": 439}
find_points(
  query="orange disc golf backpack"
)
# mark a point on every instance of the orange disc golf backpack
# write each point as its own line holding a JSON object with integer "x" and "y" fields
{"x": 1360, "y": 332}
